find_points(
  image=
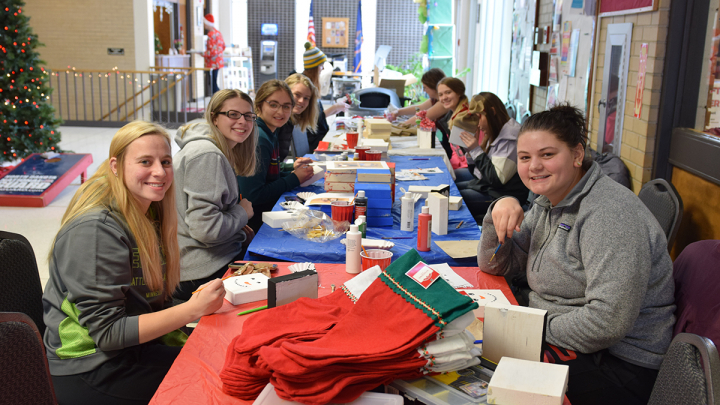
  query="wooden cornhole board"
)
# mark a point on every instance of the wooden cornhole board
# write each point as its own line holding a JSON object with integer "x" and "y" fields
{"x": 37, "y": 181}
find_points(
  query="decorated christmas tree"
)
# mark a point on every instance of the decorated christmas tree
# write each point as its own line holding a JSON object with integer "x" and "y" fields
{"x": 27, "y": 121}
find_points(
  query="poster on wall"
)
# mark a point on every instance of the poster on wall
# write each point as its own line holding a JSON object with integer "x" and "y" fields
{"x": 557, "y": 16}
{"x": 620, "y": 7}
{"x": 555, "y": 43}
{"x": 567, "y": 31}
{"x": 553, "y": 76}
{"x": 640, "y": 86}
{"x": 334, "y": 32}
{"x": 552, "y": 96}
{"x": 572, "y": 57}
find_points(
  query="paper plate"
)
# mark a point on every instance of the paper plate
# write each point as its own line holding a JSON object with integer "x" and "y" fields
{"x": 306, "y": 195}
{"x": 292, "y": 205}
{"x": 375, "y": 244}
{"x": 301, "y": 267}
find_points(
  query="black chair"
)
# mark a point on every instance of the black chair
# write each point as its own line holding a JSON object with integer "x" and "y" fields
{"x": 663, "y": 200}
{"x": 24, "y": 373}
{"x": 690, "y": 373}
{"x": 374, "y": 101}
{"x": 21, "y": 289}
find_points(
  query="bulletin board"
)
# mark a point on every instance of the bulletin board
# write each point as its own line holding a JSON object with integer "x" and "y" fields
{"x": 335, "y": 32}
{"x": 523, "y": 35}
{"x": 574, "y": 58}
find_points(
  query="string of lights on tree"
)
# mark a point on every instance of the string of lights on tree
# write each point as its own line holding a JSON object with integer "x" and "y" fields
{"x": 27, "y": 119}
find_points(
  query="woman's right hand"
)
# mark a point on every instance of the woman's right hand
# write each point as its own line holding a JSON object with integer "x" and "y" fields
{"x": 391, "y": 116}
{"x": 304, "y": 173}
{"x": 507, "y": 215}
{"x": 247, "y": 206}
{"x": 209, "y": 299}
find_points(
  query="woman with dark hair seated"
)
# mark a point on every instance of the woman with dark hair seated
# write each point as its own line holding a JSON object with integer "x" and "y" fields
{"x": 493, "y": 152}
{"x": 596, "y": 260}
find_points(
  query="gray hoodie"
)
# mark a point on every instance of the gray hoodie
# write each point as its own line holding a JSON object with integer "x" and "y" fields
{"x": 210, "y": 221}
{"x": 598, "y": 263}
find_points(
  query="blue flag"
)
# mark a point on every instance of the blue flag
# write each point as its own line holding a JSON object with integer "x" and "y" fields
{"x": 358, "y": 40}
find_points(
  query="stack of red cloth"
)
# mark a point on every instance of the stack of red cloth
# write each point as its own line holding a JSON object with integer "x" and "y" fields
{"x": 334, "y": 348}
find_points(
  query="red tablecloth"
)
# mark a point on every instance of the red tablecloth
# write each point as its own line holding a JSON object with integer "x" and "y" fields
{"x": 194, "y": 377}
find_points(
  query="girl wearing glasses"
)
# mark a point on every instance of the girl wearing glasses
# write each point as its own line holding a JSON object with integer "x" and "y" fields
{"x": 274, "y": 104}
{"x": 212, "y": 216}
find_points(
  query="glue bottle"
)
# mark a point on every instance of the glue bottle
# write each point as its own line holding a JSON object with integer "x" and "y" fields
{"x": 361, "y": 222}
{"x": 407, "y": 213}
{"x": 360, "y": 204}
{"x": 424, "y": 234}
{"x": 353, "y": 245}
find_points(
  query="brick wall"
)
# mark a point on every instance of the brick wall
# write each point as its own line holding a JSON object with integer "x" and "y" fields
{"x": 638, "y": 137}
{"x": 79, "y": 33}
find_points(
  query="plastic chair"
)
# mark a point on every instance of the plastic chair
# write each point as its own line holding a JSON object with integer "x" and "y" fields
{"x": 525, "y": 117}
{"x": 689, "y": 373}
{"x": 665, "y": 203}
{"x": 24, "y": 375}
{"x": 511, "y": 110}
{"x": 299, "y": 146}
{"x": 21, "y": 289}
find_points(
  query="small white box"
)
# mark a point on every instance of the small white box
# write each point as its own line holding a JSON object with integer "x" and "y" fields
{"x": 518, "y": 382}
{"x": 424, "y": 191}
{"x": 318, "y": 173}
{"x": 247, "y": 288}
{"x": 455, "y": 203}
{"x": 376, "y": 144}
{"x": 275, "y": 219}
{"x": 424, "y": 139}
{"x": 439, "y": 210}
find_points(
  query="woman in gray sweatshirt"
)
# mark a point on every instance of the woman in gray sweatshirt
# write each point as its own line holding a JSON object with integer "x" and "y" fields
{"x": 595, "y": 258}
{"x": 112, "y": 332}
{"x": 212, "y": 215}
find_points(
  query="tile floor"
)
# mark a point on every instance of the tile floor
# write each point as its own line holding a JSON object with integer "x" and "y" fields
{"x": 39, "y": 225}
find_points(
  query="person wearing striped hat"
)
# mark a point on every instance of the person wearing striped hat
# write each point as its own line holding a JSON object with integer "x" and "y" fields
{"x": 313, "y": 60}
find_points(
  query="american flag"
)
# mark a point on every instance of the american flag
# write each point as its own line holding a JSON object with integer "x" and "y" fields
{"x": 311, "y": 27}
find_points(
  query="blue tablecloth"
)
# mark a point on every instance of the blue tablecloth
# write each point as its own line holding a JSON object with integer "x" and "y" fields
{"x": 279, "y": 245}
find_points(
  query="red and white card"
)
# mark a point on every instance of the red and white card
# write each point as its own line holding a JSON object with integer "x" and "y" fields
{"x": 423, "y": 274}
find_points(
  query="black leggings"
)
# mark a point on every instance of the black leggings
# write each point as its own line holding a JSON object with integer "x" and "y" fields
{"x": 601, "y": 378}
{"x": 129, "y": 378}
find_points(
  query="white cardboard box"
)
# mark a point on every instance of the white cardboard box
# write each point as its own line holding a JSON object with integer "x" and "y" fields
{"x": 424, "y": 191}
{"x": 424, "y": 139}
{"x": 439, "y": 210}
{"x": 275, "y": 219}
{"x": 247, "y": 288}
{"x": 318, "y": 173}
{"x": 519, "y": 382}
{"x": 512, "y": 331}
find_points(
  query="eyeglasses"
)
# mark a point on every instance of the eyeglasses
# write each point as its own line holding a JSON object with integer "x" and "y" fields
{"x": 276, "y": 106}
{"x": 235, "y": 115}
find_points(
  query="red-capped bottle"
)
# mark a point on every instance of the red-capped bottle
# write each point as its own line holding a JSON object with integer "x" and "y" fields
{"x": 424, "y": 234}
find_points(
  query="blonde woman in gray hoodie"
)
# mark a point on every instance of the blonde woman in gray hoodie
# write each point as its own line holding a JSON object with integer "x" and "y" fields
{"x": 212, "y": 215}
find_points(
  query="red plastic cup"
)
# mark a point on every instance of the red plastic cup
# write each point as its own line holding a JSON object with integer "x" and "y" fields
{"x": 352, "y": 139}
{"x": 373, "y": 154}
{"x": 342, "y": 211}
{"x": 360, "y": 152}
{"x": 375, "y": 257}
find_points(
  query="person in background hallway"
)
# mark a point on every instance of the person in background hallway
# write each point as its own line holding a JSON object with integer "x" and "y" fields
{"x": 112, "y": 332}
{"x": 213, "y": 217}
{"x": 313, "y": 60}
{"x": 214, "y": 51}
{"x": 305, "y": 113}
{"x": 493, "y": 151}
{"x": 273, "y": 105}
{"x": 595, "y": 258}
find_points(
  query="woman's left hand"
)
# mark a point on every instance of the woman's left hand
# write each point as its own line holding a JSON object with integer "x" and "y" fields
{"x": 469, "y": 140}
{"x": 301, "y": 161}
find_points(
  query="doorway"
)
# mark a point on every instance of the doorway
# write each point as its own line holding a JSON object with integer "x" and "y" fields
{"x": 612, "y": 102}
